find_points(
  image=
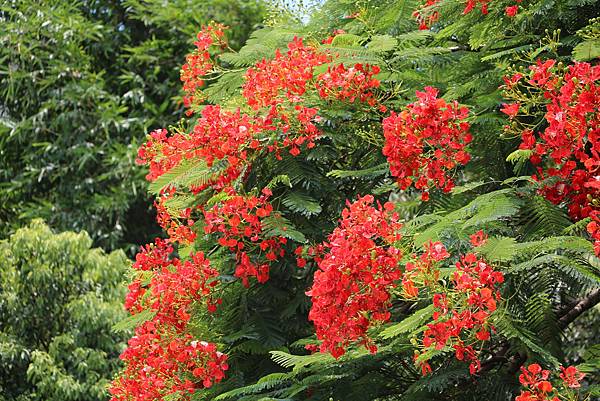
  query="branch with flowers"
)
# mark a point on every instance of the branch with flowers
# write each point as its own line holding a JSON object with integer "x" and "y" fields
{"x": 273, "y": 241}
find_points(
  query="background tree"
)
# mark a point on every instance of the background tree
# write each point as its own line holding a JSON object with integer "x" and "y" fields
{"x": 74, "y": 104}
{"x": 58, "y": 302}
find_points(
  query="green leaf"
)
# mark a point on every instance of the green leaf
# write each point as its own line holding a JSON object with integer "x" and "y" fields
{"x": 468, "y": 187}
{"x": 371, "y": 172}
{"x": 588, "y": 50}
{"x": 432, "y": 353}
{"x": 217, "y": 198}
{"x": 346, "y": 40}
{"x": 302, "y": 203}
{"x": 519, "y": 155}
{"x": 282, "y": 227}
{"x": 134, "y": 321}
{"x": 498, "y": 249}
{"x": 186, "y": 172}
{"x": 382, "y": 43}
{"x": 297, "y": 361}
{"x": 279, "y": 179}
{"x": 410, "y": 324}
{"x": 511, "y": 330}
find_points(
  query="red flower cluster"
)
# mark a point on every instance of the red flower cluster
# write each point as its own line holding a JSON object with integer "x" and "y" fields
{"x": 424, "y": 142}
{"x": 535, "y": 379}
{"x": 297, "y": 127}
{"x": 162, "y": 359}
{"x": 218, "y": 135}
{"x": 163, "y": 364}
{"x": 351, "y": 289}
{"x": 593, "y": 229}
{"x": 424, "y": 268}
{"x": 153, "y": 256}
{"x": 512, "y": 11}
{"x": 285, "y": 77}
{"x": 276, "y": 87}
{"x": 539, "y": 388}
{"x": 198, "y": 64}
{"x": 426, "y": 16}
{"x": 238, "y": 222}
{"x": 157, "y": 155}
{"x": 461, "y": 311}
{"x": 276, "y": 90}
{"x": 349, "y": 84}
{"x": 471, "y": 4}
{"x": 174, "y": 288}
{"x": 566, "y": 152}
{"x": 571, "y": 376}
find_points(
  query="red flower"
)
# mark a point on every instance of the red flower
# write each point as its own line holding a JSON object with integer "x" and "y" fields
{"x": 330, "y": 38}
{"x": 510, "y": 110}
{"x": 513, "y": 80}
{"x": 349, "y": 84}
{"x": 593, "y": 229}
{"x": 285, "y": 77}
{"x": 511, "y": 11}
{"x": 538, "y": 387}
{"x": 461, "y": 312}
{"x": 427, "y": 140}
{"x": 198, "y": 64}
{"x": 470, "y": 5}
{"x": 159, "y": 362}
{"x": 531, "y": 375}
{"x": 479, "y": 238}
{"x": 571, "y": 376}
{"x": 162, "y": 358}
{"x": 238, "y": 222}
{"x": 217, "y": 135}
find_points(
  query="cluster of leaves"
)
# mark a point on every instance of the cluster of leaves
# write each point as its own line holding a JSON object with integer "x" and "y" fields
{"x": 550, "y": 272}
{"x": 59, "y": 300}
{"x": 80, "y": 82}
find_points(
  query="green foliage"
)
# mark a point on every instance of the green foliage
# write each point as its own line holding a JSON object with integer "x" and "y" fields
{"x": 589, "y": 49}
{"x": 80, "y": 84}
{"x": 65, "y": 135}
{"x": 58, "y": 302}
{"x": 546, "y": 258}
{"x": 410, "y": 324}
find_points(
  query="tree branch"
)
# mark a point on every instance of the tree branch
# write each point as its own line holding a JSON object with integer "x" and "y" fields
{"x": 580, "y": 306}
{"x": 566, "y": 317}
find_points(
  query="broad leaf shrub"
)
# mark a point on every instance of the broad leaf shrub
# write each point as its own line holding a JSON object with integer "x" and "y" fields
{"x": 369, "y": 211}
{"x": 59, "y": 300}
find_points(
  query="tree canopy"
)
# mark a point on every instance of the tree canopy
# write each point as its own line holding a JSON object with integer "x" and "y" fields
{"x": 59, "y": 300}
{"x": 351, "y": 200}
{"x": 378, "y": 211}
